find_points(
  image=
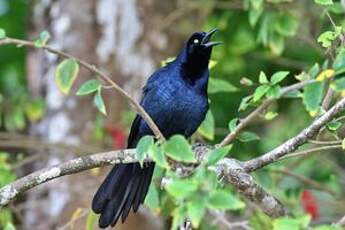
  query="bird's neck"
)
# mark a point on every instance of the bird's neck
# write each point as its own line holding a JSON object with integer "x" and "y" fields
{"x": 194, "y": 69}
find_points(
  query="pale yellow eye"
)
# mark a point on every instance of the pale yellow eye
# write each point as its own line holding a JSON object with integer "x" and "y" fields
{"x": 196, "y": 41}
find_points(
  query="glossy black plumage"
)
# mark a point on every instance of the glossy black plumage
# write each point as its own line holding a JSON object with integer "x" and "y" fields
{"x": 175, "y": 96}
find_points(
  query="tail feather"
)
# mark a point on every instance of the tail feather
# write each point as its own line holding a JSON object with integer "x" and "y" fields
{"x": 104, "y": 192}
{"x": 125, "y": 186}
{"x": 128, "y": 205}
{"x": 113, "y": 204}
{"x": 146, "y": 184}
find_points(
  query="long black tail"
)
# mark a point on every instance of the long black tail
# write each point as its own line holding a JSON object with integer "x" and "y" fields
{"x": 125, "y": 186}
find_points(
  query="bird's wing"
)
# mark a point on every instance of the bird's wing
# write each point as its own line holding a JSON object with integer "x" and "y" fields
{"x": 133, "y": 135}
{"x": 154, "y": 79}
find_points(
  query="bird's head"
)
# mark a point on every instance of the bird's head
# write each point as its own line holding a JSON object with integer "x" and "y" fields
{"x": 197, "y": 52}
{"x": 199, "y": 43}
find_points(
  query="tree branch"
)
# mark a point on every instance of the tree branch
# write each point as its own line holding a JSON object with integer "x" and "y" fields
{"x": 255, "y": 113}
{"x": 233, "y": 172}
{"x": 230, "y": 170}
{"x": 292, "y": 144}
{"x": 73, "y": 166}
{"x": 139, "y": 109}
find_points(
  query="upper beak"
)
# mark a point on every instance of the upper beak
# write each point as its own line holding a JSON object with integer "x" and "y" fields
{"x": 206, "y": 40}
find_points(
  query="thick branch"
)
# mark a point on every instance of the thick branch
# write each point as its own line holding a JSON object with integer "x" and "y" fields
{"x": 228, "y": 169}
{"x": 139, "y": 109}
{"x": 233, "y": 172}
{"x": 292, "y": 144}
{"x": 76, "y": 165}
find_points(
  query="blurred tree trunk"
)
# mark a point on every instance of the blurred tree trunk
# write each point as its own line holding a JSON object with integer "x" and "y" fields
{"x": 122, "y": 38}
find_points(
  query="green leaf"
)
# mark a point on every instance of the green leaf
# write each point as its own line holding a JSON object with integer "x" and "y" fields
{"x": 248, "y": 136}
{"x": 287, "y": 223}
{"x": 264, "y": 29}
{"x": 328, "y": 227}
{"x": 339, "y": 84}
{"x": 334, "y": 125}
{"x": 178, "y": 214}
{"x": 325, "y": 74}
{"x": 245, "y": 102}
{"x": 343, "y": 144}
{"x": 212, "y": 64}
{"x": 91, "y": 221}
{"x": 99, "y": 103}
{"x": 43, "y": 39}
{"x": 152, "y": 199}
{"x": 327, "y": 37}
{"x": 256, "y": 4}
{"x": 217, "y": 154}
{"x": 278, "y": 77}
{"x": 303, "y": 76}
{"x": 260, "y": 92}
{"x": 224, "y": 200}
{"x": 15, "y": 120}
{"x": 270, "y": 115}
{"x": 276, "y": 43}
{"x": 9, "y": 226}
{"x": 246, "y": 81}
{"x": 324, "y": 2}
{"x": 207, "y": 127}
{"x": 254, "y": 16}
{"x": 167, "y": 61}
{"x": 158, "y": 156}
{"x": 312, "y": 97}
{"x": 88, "y": 87}
{"x": 2, "y": 33}
{"x": 273, "y": 92}
{"x": 143, "y": 147}
{"x": 232, "y": 124}
{"x": 286, "y": 24}
{"x": 65, "y": 74}
{"x": 314, "y": 70}
{"x": 178, "y": 148}
{"x": 196, "y": 209}
{"x": 181, "y": 188}
{"x": 339, "y": 63}
{"x": 336, "y": 8}
{"x": 263, "y": 78}
{"x": 260, "y": 221}
{"x": 35, "y": 110}
{"x": 216, "y": 85}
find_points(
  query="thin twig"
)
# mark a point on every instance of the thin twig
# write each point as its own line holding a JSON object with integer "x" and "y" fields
{"x": 307, "y": 152}
{"x": 317, "y": 142}
{"x": 293, "y": 143}
{"x": 139, "y": 109}
{"x": 255, "y": 113}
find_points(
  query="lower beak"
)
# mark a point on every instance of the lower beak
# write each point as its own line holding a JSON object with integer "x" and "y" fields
{"x": 210, "y": 44}
{"x": 206, "y": 40}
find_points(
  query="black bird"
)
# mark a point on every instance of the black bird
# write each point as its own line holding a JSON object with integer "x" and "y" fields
{"x": 175, "y": 96}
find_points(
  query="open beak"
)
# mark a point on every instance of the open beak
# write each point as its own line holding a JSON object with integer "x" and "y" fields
{"x": 206, "y": 40}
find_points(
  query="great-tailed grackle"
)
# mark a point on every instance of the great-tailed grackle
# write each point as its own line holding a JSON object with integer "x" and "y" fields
{"x": 175, "y": 96}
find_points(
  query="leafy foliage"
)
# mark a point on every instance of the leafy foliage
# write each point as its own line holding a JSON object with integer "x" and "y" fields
{"x": 65, "y": 74}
